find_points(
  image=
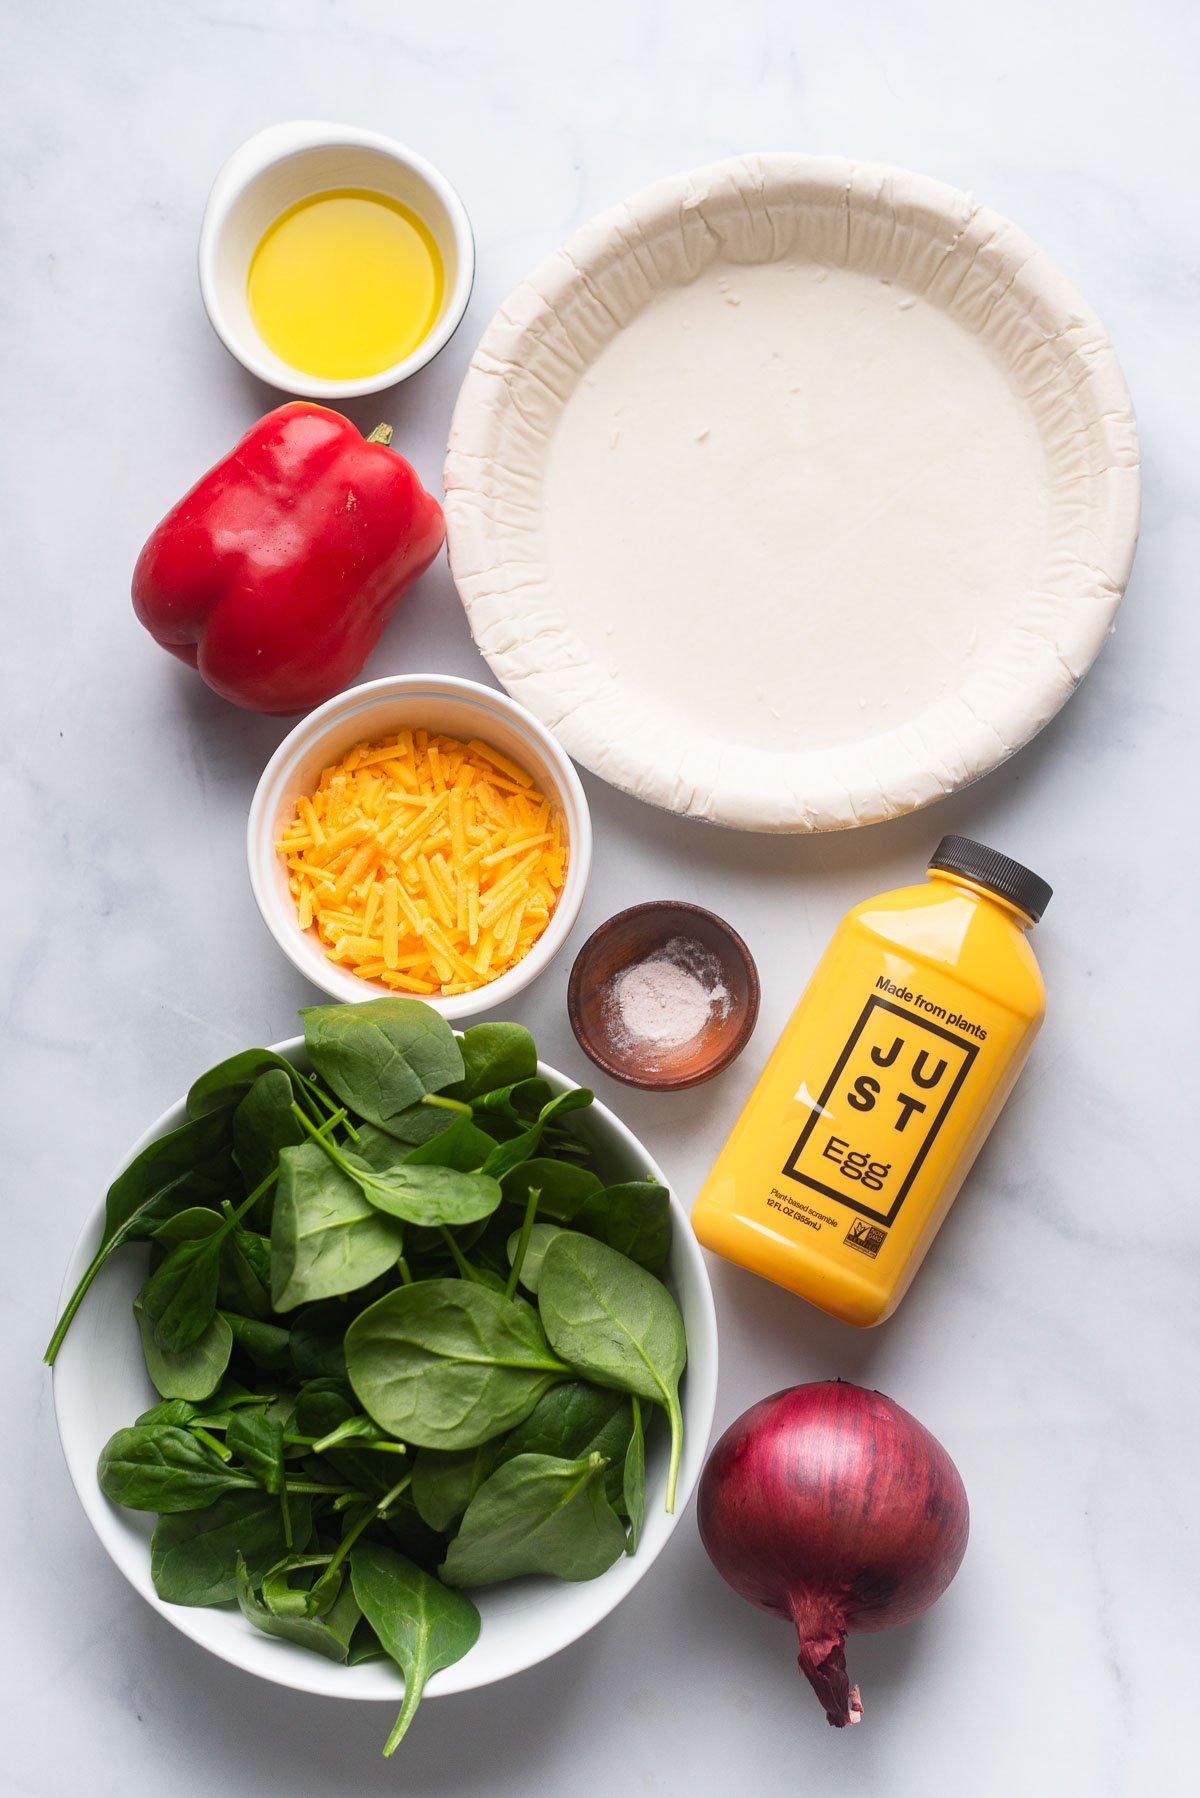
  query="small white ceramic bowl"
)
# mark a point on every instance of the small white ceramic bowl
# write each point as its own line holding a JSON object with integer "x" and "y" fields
{"x": 101, "y": 1384}
{"x": 285, "y": 163}
{"x": 434, "y": 702}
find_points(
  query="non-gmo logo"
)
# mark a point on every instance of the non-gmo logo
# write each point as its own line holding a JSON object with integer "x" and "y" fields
{"x": 867, "y": 1238}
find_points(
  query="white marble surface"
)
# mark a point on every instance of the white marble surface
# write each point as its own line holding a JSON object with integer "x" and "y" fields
{"x": 1052, "y": 1338}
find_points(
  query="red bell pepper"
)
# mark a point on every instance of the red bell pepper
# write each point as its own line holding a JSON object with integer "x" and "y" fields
{"x": 276, "y": 574}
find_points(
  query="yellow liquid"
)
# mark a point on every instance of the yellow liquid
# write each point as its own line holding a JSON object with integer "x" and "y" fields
{"x": 345, "y": 283}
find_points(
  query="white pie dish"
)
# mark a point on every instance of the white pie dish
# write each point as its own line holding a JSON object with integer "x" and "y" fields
{"x": 793, "y": 494}
{"x": 437, "y": 702}
{"x": 101, "y": 1385}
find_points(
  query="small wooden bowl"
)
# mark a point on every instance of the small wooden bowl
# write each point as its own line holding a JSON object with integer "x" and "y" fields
{"x": 635, "y": 936}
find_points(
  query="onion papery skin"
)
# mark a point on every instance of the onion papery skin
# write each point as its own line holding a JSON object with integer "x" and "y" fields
{"x": 833, "y": 1507}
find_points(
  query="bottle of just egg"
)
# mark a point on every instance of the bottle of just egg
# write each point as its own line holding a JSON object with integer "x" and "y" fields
{"x": 883, "y": 1086}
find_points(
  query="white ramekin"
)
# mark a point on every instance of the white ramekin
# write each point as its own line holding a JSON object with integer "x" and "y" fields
{"x": 433, "y": 702}
{"x": 285, "y": 163}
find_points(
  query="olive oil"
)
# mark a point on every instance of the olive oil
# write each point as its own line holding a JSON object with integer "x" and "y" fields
{"x": 345, "y": 283}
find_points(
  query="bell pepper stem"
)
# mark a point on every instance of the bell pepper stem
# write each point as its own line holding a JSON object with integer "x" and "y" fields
{"x": 381, "y": 434}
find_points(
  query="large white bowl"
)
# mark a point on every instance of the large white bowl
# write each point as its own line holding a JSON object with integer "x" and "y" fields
{"x": 434, "y": 702}
{"x": 101, "y": 1384}
{"x": 286, "y": 163}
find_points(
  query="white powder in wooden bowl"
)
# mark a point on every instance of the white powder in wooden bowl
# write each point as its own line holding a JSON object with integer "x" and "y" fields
{"x": 664, "y": 1002}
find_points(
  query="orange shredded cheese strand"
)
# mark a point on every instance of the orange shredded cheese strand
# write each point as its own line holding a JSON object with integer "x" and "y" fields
{"x": 497, "y": 760}
{"x": 425, "y": 864}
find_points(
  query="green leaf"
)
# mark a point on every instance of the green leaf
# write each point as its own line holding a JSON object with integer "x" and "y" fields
{"x": 508, "y": 1156}
{"x": 263, "y": 1125}
{"x": 160, "y": 1467}
{"x": 496, "y": 1055}
{"x": 519, "y": 1103}
{"x": 357, "y": 1429}
{"x": 540, "y": 1238}
{"x": 576, "y": 1420}
{"x": 422, "y": 1626}
{"x": 616, "y": 1324}
{"x": 420, "y": 1192}
{"x": 193, "y": 1556}
{"x": 409, "y": 1533}
{"x": 322, "y": 1408}
{"x": 446, "y": 1363}
{"x": 381, "y": 1057}
{"x": 224, "y": 1087}
{"x": 444, "y": 1481}
{"x": 366, "y": 1646}
{"x": 194, "y": 1372}
{"x": 244, "y": 1275}
{"x": 633, "y": 1480}
{"x": 196, "y": 1224}
{"x": 420, "y": 1123}
{"x": 178, "y": 1411}
{"x": 321, "y": 1405}
{"x": 427, "y": 1195}
{"x": 179, "y": 1300}
{"x": 576, "y": 1098}
{"x": 328, "y": 1634}
{"x": 326, "y": 1238}
{"x": 315, "y": 1343}
{"x": 463, "y": 1146}
{"x": 257, "y": 1441}
{"x": 562, "y": 1187}
{"x": 537, "y": 1514}
{"x": 190, "y": 1166}
{"x": 281, "y": 1597}
{"x": 266, "y": 1344}
{"x": 633, "y": 1218}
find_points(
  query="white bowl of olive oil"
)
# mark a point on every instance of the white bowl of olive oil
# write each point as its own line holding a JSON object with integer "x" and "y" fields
{"x": 333, "y": 261}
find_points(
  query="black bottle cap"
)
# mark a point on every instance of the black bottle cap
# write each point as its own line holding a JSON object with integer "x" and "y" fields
{"x": 1006, "y": 878}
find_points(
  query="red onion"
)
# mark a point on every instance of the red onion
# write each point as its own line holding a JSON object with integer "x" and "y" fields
{"x": 831, "y": 1506}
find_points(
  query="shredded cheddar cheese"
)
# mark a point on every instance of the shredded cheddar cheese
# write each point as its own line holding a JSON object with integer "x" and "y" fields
{"x": 426, "y": 865}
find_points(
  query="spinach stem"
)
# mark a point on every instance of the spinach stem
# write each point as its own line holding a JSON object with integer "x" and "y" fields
{"x": 318, "y": 1444}
{"x": 369, "y": 1516}
{"x": 326, "y": 1141}
{"x": 464, "y": 1267}
{"x": 404, "y": 1271}
{"x": 444, "y": 1104}
{"x": 210, "y": 1442}
{"x": 518, "y": 1262}
{"x": 313, "y": 1098}
{"x": 313, "y": 1091}
{"x": 675, "y": 1415}
{"x": 314, "y": 1489}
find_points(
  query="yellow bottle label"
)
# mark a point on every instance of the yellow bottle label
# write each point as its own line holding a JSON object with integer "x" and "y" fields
{"x": 881, "y": 1108}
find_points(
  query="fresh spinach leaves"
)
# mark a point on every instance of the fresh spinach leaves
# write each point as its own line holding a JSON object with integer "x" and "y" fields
{"x": 189, "y": 1166}
{"x": 382, "y": 1058}
{"x": 496, "y": 1055}
{"x": 537, "y": 1514}
{"x": 329, "y": 1634}
{"x": 326, "y": 1237}
{"x": 448, "y": 1363}
{"x": 617, "y": 1324}
{"x": 422, "y": 1626}
{"x": 355, "y": 1395}
{"x": 194, "y": 1554}
{"x": 164, "y": 1468}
